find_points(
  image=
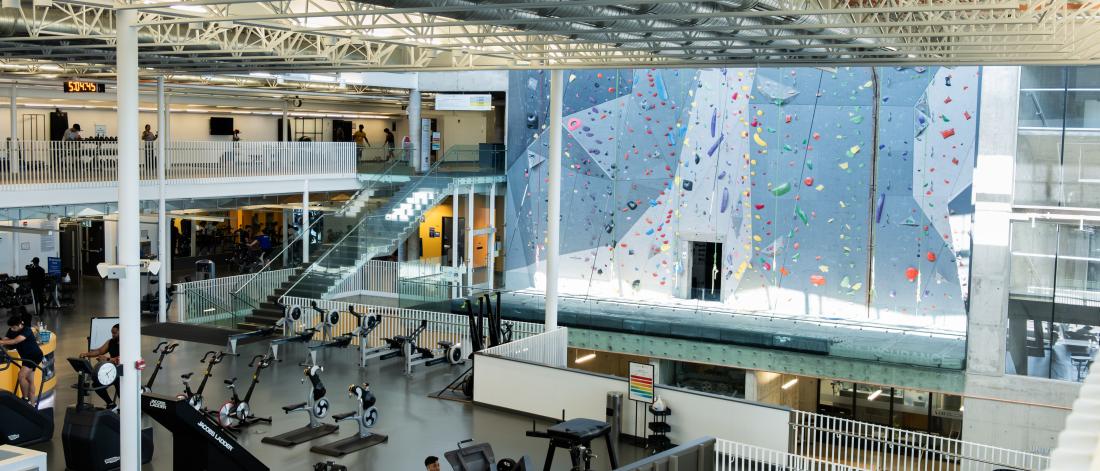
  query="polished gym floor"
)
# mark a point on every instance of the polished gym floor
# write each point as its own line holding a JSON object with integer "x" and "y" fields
{"x": 416, "y": 424}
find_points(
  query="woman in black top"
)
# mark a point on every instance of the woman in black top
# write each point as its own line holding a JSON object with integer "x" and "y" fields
{"x": 107, "y": 352}
{"x": 22, "y": 340}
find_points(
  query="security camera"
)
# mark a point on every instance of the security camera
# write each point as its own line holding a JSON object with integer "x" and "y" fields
{"x": 150, "y": 266}
{"x": 111, "y": 272}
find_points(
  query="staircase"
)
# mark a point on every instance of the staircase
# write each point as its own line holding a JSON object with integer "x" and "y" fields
{"x": 388, "y": 213}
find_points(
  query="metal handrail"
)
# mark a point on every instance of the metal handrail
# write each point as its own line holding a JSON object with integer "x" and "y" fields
{"x": 358, "y": 226}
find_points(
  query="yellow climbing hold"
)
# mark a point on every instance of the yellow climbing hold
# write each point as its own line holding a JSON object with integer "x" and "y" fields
{"x": 760, "y": 142}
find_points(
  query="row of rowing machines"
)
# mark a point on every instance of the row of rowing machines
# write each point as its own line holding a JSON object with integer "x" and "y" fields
{"x": 407, "y": 346}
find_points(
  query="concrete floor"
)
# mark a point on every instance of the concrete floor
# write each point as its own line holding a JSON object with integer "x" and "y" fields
{"x": 417, "y": 425}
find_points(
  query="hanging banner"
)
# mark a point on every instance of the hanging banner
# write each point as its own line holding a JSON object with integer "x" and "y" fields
{"x": 641, "y": 383}
{"x": 446, "y": 102}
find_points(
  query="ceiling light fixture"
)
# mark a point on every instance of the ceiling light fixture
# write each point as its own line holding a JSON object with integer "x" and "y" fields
{"x": 585, "y": 358}
{"x": 874, "y": 395}
{"x": 790, "y": 383}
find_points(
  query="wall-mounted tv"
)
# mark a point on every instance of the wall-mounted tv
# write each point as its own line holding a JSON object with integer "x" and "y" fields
{"x": 221, "y": 126}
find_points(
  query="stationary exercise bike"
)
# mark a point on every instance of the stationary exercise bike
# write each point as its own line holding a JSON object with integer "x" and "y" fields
{"x": 164, "y": 348}
{"x": 194, "y": 398}
{"x": 90, "y": 435}
{"x": 236, "y": 412}
{"x": 366, "y": 416}
{"x": 316, "y": 406}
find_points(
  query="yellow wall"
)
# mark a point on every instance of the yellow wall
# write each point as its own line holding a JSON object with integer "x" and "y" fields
{"x": 433, "y": 246}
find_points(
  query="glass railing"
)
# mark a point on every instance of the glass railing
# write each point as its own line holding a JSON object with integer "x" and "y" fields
{"x": 379, "y": 232}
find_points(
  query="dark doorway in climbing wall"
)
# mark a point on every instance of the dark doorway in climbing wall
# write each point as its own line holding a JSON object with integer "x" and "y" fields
{"x": 706, "y": 271}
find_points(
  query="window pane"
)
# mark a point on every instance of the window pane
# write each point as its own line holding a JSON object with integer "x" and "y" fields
{"x": 1031, "y": 291}
{"x": 1081, "y": 166}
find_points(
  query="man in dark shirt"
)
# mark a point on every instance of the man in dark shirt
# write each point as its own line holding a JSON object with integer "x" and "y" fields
{"x": 37, "y": 276}
{"x": 109, "y": 351}
{"x": 391, "y": 142}
{"x": 22, "y": 340}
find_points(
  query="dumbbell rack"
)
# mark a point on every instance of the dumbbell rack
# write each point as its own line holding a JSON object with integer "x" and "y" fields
{"x": 658, "y": 441}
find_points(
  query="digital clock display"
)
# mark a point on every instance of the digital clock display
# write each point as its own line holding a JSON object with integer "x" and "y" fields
{"x": 74, "y": 86}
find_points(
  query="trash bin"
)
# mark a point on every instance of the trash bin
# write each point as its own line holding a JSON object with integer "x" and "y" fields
{"x": 204, "y": 270}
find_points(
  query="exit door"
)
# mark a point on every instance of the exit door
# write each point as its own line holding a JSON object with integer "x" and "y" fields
{"x": 706, "y": 271}
{"x": 91, "y": 247}
{"x": 448, "y": 221}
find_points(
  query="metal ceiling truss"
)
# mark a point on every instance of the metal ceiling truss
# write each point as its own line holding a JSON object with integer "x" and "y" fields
{"x": 240, "y": 36}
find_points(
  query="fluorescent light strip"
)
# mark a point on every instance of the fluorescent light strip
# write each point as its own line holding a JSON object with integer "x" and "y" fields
{"x": 585, "y": 358}
{"x": 874, "y": 395}
{"x": 298, "y": 114}
{"x": 790, "y": 383}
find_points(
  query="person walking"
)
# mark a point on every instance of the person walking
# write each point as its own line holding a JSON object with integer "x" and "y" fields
{"x": 391, "y": 142}
{"x": 37, "y": 276}
{"x": 361, "y": 141}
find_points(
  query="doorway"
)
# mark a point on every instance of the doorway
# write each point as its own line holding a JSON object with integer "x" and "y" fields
{"x": 91, "y": 247}
{"x": 446, "y": 242}
{"x": 706, "y": 271}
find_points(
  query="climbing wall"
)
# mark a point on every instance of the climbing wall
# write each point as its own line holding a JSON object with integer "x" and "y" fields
{"x": 835, "y": 193}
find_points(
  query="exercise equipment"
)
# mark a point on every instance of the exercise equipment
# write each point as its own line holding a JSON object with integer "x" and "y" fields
{"x": 194, "y": 398}
{"x": 328, "y": 322}
{"x": 165, "y": 349}
{"x": 366, "y": 416}
{"x": 291, "y": 316}
{"x": 362, "y": 332}
{"x": 23, "y": 423}
{"x": 499, "y": 333}
{"x": 90, "y": 435}
{"x": 237, "y": 412}
{"x": 316, "y": 406}
{"x": 576, "y": 435}
{"x": 198, "y": 444}
{"x": 415, "y": 355}
{"x": 329, "y": 466}
{"x": 479, "y": 457}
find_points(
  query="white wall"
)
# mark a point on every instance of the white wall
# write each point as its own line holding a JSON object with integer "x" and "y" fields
{"x": 544, "y": 391}
{"x": 13, "y": 255}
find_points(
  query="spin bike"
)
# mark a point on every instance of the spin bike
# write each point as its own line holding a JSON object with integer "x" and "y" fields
{"x": 236, "y": 412}
{"x": 164, "y": 348}
{"x": 366, "y": 416}
{"x": 194, "y": 398}
{"x": 316, "y": 406}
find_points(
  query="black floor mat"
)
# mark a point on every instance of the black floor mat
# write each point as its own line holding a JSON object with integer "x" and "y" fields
{"x": 197, "y": 333}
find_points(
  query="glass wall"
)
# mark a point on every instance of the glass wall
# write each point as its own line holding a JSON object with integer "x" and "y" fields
{"x": 908, "y": 409}
{"x": 1054, "y": 291}
{"x": 1059, "y": 123}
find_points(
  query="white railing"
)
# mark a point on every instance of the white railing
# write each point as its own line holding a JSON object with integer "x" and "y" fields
{"x": 734, "y": 456}
{"x": 1079, "y": 443}
{"x": 548, "y": 348}
{"x": 383, "y": 278}
{"x": 95, "y": 163}
{"x": 209, "y": 300}
{"x": 398, "y": 321}
{"x": 878, "y": 447}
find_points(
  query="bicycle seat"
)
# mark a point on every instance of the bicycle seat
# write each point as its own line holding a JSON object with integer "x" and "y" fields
{"x": 186, "y": 376}
{"x": 293, "y": 407}
{"x": 230, "y": 381}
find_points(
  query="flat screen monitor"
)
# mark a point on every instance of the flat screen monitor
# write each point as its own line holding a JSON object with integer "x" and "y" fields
{"x": 221, "y": 126}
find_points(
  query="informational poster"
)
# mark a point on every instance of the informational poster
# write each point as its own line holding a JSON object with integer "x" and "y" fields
{"x": 53, "y": 265}
{"x": 472, "y": 102}
{"x": 436, "y": 138}
{"x": 641, "y": 383}
{"x": 425, "y": 142}
{"x": 101, "y": 130}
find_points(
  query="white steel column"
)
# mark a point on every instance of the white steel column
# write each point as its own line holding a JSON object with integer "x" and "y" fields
{"x": 129, "y": 241}
{"x": 454, "y": 236}
{"x": 470, "y": 237}
{"x": 305, "y": 221}
{"x": 286, "y": 121}
{"x": 13, "y": 145}
{"x": 162, "y": 218}
{"x": 414, "y": 129}
{"x": 553, "y": 202}
{"x": 492, "y": 237}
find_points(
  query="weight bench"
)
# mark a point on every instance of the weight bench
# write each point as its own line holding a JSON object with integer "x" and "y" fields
{"x": 576, "y": 432}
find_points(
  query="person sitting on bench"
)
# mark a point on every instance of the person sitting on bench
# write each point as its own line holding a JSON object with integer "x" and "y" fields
{"x": 109, "y": 351}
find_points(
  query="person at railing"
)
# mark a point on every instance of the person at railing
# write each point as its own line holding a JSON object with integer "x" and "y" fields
{"x": 69, "y": 155}
{"x": 148, "y": 137}
{"x": 72, "y": 134}
{"x": 391, "y": 142}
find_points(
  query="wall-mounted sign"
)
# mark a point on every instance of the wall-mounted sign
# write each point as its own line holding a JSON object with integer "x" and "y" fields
{"x": 77, "y": 86}
{"x": 436, "y": 140}
{"x": 641, "y": 383}
{"x": 446, "y": 102}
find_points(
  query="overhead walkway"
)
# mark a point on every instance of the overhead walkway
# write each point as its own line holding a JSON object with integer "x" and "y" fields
{"x": 72, "y": 172}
